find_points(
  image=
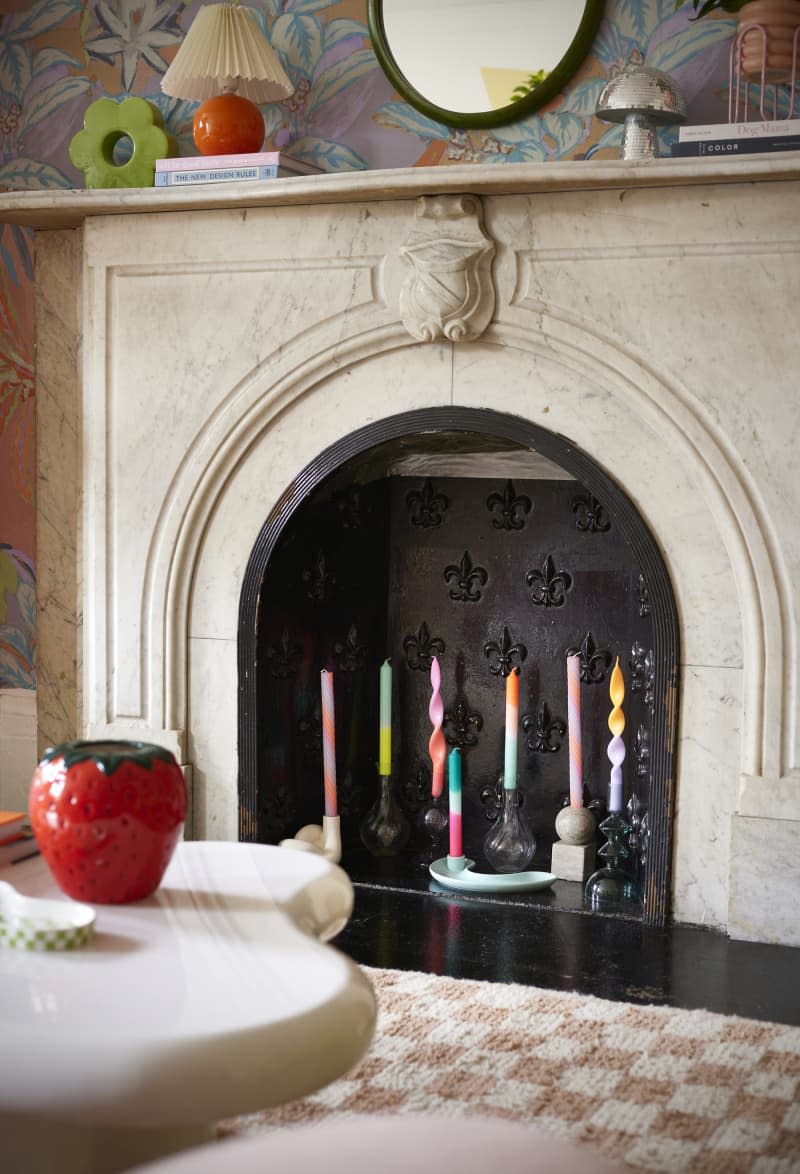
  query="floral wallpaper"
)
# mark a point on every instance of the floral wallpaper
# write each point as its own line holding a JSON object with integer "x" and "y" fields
{"x": 58, "y": 56}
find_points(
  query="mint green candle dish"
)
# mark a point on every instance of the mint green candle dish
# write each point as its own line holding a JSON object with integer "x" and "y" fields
{"x": 467, "y": 881}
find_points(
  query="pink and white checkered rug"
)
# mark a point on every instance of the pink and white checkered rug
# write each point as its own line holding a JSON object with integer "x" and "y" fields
{"x": 653, "y": 1087}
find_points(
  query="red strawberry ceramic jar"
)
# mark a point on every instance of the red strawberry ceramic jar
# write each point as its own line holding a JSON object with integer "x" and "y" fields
{"x": 107, "y": 817}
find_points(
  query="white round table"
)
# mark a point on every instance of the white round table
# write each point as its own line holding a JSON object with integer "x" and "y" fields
{"x": 213, "y": 997}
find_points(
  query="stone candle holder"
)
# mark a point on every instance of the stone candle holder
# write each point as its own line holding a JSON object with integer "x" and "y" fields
{"x": 575, "y": 851}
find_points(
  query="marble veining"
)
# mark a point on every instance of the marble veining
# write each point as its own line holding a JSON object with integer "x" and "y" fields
{"x": 642, "y": 322}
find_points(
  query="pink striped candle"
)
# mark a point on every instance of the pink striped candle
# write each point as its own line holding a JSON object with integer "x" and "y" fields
{"x": 328, "y": 743}
{"x": 574, "y": 725}
{"x": 436, "y": 746}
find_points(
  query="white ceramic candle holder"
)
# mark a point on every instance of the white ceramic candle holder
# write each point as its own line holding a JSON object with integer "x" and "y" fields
{"x": 325, "y": 840}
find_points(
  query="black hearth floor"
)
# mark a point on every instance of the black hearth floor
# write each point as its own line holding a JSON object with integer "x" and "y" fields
{"x": 610, "y": 957}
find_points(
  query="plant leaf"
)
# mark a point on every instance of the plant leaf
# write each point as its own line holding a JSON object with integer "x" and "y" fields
{"x": 50, "y": 99}
{"x": 677, "y": 50}
{"x": 299, "y": 40}
{"x": 50, "y": 58}
{"x": 336, "y": 31}
{"x": 38, "y": 18}
{"x": 328, "y": 155}
{"x": 401, "y": 116}
{"x": 15, "y": 69}
{"x": 341, "y": 75}
{"x": 22, "y": 174}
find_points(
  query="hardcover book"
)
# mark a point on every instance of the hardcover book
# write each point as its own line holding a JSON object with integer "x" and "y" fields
{"x": 739, "y": 130}
{"x": 165, "y": 179}
{"x": 211, "y": 162}
{"x": 726, "y": 147}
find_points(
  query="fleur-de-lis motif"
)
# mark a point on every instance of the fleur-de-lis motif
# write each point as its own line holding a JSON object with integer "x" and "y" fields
{"x": 504, "y": 653}
{"x": 492, "y": 799}
{"x": 641, "y": 748}
{"x": 595, "y": 662}
{"x": 426, "y": 508}
{"x": 310, "y": 730}
{"x": 636, "y": 816}
{"x": 590, "y": 515}
{"x": 350, "y": 796}
{"x": 348, "y": 505}
{"x": 467, "y": 578}
{"x": 278, "y": 811}
{"x": 644, "y": 597}
{"x": 416, "y": 789}
{"x": 643, "y": 672}
{"x": 549, "y": 588}
{"x": 546, "y": 731}
{"x": 465, "y": 726}
{"x": 509, "y": 508}
{"x": 284, "y": 656}
{"x": 421, "y": 649}
{"x": 319, "y": 580}
{"x": 350, "y": 653}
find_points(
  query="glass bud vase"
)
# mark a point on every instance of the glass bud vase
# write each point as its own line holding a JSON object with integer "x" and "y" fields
{"x": 385, "y": 829}
{"x": 433, "y": 821}
{"x": 510, "y": 844}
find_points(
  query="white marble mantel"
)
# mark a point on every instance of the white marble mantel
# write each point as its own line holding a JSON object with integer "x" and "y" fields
{"x": 195, "y": 350}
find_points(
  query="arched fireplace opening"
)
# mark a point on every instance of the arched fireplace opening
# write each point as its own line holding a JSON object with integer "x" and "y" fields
{"x": 491, "y": 543}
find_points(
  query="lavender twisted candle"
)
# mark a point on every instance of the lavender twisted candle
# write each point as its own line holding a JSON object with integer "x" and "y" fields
{"x": 616, "y": 747}
{"x": 436, "y": 746}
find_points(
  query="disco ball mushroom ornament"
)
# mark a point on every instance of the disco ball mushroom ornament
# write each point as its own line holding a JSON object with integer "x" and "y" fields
{"x": 642, "y": 99}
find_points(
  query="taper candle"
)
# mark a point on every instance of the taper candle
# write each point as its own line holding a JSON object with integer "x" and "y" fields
{"x": 328, "y": 743}
{"x": 385, "y": 721}
{"x": 616, "y": 747}
{"x": 512, "y": 721}
{"x": 574, "y": 726}
{"x": 454, "y": 796}
{"x": 436, "y": 746}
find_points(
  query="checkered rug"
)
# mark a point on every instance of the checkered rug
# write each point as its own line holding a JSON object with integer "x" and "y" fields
{"x": 653, "y": 1087}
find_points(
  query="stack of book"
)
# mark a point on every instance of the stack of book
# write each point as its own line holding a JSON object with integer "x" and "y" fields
{"x": 229, "y": 168}
{"x": 738, "y": 138}
{"x": 17, "y": 841}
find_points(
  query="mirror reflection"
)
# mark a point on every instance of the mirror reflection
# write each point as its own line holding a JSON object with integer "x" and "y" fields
{"x": 472, "y": 56}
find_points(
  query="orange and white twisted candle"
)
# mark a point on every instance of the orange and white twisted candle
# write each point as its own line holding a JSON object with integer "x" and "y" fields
{"x": 436, "y": 746}
{"x": 328, "y": 743}
{"x": 574, "y": 728}
{"x": 616, "y": 747}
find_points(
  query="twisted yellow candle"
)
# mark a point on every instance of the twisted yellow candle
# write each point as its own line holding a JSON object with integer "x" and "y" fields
{"x": 616, "y": 747}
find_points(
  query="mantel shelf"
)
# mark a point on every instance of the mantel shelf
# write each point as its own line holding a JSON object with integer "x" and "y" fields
{"x": 59, "y": 208}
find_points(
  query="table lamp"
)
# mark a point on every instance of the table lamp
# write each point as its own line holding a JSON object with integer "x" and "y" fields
{"x": 226, "y": 63}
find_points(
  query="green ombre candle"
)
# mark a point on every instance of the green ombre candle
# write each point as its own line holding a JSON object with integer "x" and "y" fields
{"x": 385, "y": 721}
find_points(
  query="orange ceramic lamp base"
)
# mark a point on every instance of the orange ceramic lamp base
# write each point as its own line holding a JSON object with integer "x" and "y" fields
{"x": 228, "y": 125}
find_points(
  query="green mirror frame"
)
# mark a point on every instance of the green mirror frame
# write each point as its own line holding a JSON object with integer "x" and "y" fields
{"x": 542, "y": 93}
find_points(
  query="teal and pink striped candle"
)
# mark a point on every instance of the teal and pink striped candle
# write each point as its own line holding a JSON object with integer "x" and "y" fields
{"x": 454, "y": 795}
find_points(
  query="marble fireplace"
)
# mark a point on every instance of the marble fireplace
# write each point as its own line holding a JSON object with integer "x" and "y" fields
{"x": 195, "y": 355}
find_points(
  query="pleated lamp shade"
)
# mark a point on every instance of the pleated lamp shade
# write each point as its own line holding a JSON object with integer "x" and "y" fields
{"x": 226, "y": 63}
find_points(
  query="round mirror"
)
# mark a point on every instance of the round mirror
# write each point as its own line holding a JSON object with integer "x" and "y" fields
{"x": 473, "y": 63}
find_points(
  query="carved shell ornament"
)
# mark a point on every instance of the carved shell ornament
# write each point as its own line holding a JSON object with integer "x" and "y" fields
{"x": 449, "y": 292}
